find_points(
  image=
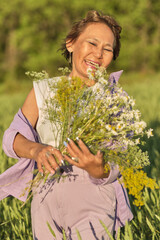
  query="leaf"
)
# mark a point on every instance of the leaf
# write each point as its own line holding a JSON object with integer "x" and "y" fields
{"x": 64, "y": 235}
{"x": 78, "y": 235}
{"x": 149, "y": 210}
{"x": 51, "y": 230}
{"x": 150, "y": 225}
{"x": 118, "y": 234}
{"x": 135, "y": 224}
{"x": 128, "y": 232}
{"x": 158, "y": 217}
{"x": 153, "y": 236}
{"x": 106, "y": 229}
{"x": 139, "y": 216}
{"x": 153, "y": 198}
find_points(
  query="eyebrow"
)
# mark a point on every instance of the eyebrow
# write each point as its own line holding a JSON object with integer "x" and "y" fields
{"x": 107, "y": 44}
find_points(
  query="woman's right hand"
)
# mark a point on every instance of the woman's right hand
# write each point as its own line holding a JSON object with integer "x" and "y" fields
{"x": 47, "y": 157}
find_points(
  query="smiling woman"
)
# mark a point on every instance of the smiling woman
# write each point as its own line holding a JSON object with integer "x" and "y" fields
{"x": 89, "y": 193}
{"x": 94, "y": 47}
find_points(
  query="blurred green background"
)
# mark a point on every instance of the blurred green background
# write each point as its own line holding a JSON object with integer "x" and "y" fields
{"x": 31, "y": 32}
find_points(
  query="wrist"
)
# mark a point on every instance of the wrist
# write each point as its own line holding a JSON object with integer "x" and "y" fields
{"x": 102, "y": 173}
{"x": 33, "y": 149}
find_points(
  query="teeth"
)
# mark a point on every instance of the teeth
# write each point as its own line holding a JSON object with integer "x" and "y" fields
{"x": 93, "y": 63}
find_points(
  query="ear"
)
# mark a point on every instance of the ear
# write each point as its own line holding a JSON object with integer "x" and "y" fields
{"x": 69, "y": 46}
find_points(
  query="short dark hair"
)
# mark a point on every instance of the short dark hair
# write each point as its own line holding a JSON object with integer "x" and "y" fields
{"x": 93, "y": 17}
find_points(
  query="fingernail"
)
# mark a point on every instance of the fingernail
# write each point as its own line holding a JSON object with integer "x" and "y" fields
{"x": 77, "y": 138}
{"x": 62, "y": 161}
{"x": 65, "y": 144}
{"x": 68, "y": 139}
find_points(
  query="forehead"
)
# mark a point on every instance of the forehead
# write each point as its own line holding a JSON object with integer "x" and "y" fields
{"x": 97, "y": 30}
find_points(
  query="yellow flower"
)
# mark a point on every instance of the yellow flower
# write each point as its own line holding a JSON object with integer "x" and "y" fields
{"x": 106, "y": 168}
{"x": 135, "y": 180}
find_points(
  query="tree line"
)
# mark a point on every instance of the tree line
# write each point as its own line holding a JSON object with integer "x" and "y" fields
{"x": 32, "y": 32}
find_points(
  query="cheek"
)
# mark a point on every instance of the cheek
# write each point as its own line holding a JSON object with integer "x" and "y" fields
{"x": 111, "y": 57}
{"x": 108, "y": 60}
{"x": 80, "y": 53}
{"x": 84, "y": 49}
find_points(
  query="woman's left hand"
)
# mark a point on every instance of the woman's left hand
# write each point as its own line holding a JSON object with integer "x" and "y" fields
{"x": 83, "y": 158}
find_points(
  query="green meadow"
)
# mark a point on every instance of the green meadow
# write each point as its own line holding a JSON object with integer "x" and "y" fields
{"x": 15, "y": 221}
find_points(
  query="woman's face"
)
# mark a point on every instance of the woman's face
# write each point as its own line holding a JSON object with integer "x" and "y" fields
{"x": 94, "y": 47}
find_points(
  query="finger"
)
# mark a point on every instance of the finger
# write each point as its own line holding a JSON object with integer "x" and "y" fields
{"x": 83, "y": 147}
{"x": 48, "y": 167}
{"x": 73, "y": 149}
{"x": 58, "y": 155}
{"x": 69, "y": 149}
{"x": 71, "y": 161}
{"x": 39, "y": 165}
{"x": 49, "y": 155}
{"x": 52, "y": 161}
{"x": 99, "y": 154}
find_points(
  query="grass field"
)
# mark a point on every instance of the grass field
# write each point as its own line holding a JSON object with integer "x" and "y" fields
{"x": 15, "y": 223}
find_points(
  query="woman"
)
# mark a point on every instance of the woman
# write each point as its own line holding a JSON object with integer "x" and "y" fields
{"x": 88, "y": 194}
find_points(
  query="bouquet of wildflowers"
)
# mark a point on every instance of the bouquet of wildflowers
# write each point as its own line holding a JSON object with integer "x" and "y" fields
{"x": 105, "y": 118}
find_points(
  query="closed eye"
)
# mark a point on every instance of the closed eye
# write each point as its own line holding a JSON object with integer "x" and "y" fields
{"x": 94, "y": 44}
{"x": 108, "y": 50}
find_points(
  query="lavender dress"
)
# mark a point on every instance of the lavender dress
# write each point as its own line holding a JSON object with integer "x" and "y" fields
{"x": 74, "y": 202}
{"x": 78, "y": 201}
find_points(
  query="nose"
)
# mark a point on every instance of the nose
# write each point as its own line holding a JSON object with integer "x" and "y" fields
{"x": 99, "y": 52}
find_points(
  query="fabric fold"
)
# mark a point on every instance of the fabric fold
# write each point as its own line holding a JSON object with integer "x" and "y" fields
{"x": 14, "y": 180}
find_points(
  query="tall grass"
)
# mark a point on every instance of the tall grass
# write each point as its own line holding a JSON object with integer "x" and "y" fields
{"x": 15, "y": 222}
{"x": 147, "y": 94}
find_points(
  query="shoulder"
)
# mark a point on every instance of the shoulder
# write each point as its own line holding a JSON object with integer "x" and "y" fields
{"x": 30, "y": 109}
{"x": 36, "y": 99}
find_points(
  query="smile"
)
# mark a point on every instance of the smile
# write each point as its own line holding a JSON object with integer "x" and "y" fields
{"x": 92, "y": 64}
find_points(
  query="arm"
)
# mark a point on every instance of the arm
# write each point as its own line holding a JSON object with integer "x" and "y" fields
{"x": 16, "y": 178}
{"x": 23, "y": 147}
{"x": 18, "y": 141}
